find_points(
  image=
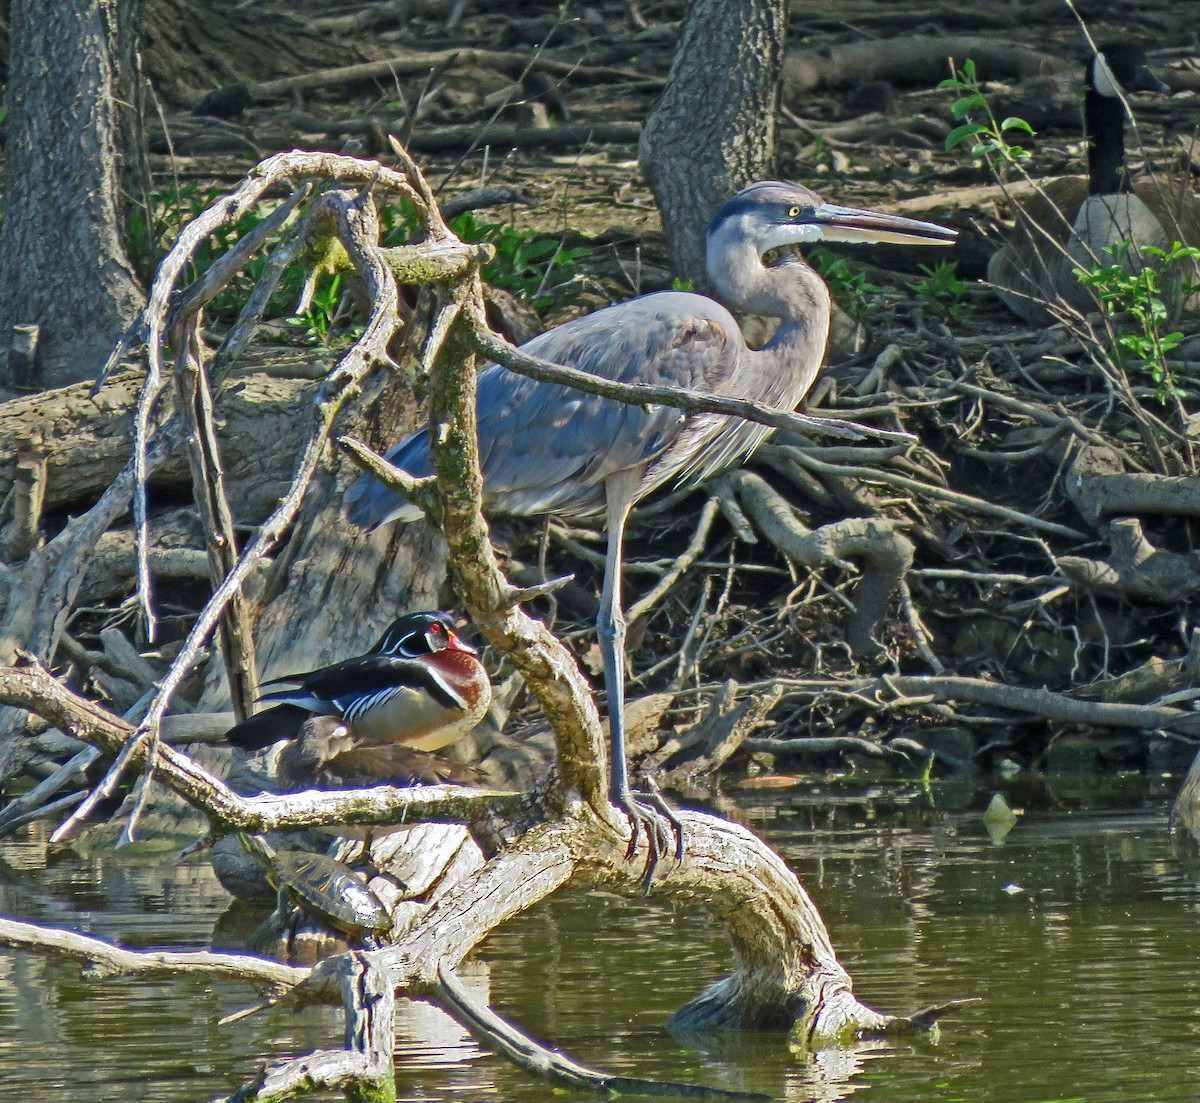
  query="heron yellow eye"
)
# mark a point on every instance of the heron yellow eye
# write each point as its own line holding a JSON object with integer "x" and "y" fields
{"x": 793, "y": 212}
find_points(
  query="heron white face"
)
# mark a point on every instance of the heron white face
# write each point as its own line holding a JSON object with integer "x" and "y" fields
{"x": 778, "y": 234}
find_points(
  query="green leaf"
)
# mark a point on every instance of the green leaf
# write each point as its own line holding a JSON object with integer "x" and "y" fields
{"x": 1013, "y": 123}
{"x": 961, "y": 133}
{"x": 962, "y": 107}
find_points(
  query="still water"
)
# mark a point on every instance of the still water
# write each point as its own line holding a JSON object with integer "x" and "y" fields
{"x": 1078, "y": 933}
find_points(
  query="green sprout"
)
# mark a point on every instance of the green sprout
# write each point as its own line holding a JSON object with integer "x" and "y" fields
{"x": 1140, "y": 298}
{"x": 318, "y": 319}
{"x": 524, "y": 260}
{"x": 941, "y": 292}
{"x": 850, "y": 287}
{"x": 989, "y": 136}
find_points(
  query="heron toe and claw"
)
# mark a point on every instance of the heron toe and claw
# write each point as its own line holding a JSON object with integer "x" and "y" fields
{"x": 549, "y": 449}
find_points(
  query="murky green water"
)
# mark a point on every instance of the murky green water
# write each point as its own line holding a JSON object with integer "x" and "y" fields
{"x": 1079, "y": 934}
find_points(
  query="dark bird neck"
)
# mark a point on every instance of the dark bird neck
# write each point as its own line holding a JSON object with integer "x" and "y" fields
{"x": 1104, "y": 117}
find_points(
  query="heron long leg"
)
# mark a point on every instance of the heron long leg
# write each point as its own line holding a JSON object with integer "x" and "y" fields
{"x": 610, "y": 627}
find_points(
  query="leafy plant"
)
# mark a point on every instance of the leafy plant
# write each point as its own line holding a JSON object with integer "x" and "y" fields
{"x": 317, "y": 321}
{"x": 152, "y": 233}
{"x": 524, "y": 260}
{"x": 987, "y": 133}
{"x": 848, "y": 285}
{"x": 1139, "y": 297}
{"x": 941, "y": 292}
{"x": 679, "y": 283}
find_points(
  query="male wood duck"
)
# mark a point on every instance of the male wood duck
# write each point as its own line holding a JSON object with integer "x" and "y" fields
{"x": 419, "y": 688}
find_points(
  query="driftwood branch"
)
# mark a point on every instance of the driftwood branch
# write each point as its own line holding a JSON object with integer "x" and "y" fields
{"x": 498, "y": 1034}
{"x": 785, "y": 971}
{"x": 365, "y": 1066}
{"x": 1136, "y": 569}
{"x": 885, "y": 552}
{"x": 1041, "y": 703}
{"x": 33, "y": 688}
{"x": 644, "y": 394}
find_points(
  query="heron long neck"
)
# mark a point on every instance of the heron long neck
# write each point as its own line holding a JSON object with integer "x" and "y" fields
{"x": 1104, "y": 118}
{"x": 790, "y": 291}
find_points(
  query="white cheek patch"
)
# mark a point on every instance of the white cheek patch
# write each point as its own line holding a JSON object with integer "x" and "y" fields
{"x": 791, "y": 233}
{"x": 1103, "y": 80}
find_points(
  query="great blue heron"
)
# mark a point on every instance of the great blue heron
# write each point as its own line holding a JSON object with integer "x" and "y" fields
{"x": 1071, "y": 223}
{"x": 550, "y": 449}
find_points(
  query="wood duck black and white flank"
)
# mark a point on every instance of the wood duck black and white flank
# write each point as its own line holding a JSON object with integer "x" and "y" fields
{"x": 382, "y": 714}
{"x": 1073, "y": 221}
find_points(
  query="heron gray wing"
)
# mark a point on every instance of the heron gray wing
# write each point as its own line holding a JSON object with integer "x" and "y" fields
{"x": 546, "y": 447}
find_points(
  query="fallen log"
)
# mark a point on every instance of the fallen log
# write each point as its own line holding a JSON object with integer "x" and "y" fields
{"x": 1042, "y": 703}
{"x": 910, "y": 60}
{"x": 418, "y": 63}
{"x": 86, "y": 438}
{"x": 438, "y": 139}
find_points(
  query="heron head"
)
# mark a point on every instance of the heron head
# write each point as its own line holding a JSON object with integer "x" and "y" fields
{"x": 1121, "y": 67}
{"x": 773, "y": 213}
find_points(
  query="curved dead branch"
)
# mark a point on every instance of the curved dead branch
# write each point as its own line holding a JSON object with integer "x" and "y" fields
{"x": 885, "y": 552}
{"x": 785, "y": 972}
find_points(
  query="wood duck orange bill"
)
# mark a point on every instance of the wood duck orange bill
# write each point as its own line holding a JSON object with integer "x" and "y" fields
{"x": 420, "y": 687}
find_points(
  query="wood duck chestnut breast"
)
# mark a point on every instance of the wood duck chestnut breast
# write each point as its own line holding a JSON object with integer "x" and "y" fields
{"x": 420, "y": 687}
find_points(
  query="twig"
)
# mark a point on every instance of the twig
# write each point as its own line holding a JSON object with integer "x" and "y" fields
{"x": 954, "y": 497}
{"x": 680, "y": 566}
{"x": 528, "y": 1053}
{"x": 195, "y": 404}
{"x": 418, "y": 491}
{"x": 680, "y": 398}
{"x": 115, "y": 960}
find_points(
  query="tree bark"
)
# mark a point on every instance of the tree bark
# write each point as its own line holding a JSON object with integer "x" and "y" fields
{"x": 713, "y": 131}
{"x": 63, "y": 262}
{"x": 86, "y": 439}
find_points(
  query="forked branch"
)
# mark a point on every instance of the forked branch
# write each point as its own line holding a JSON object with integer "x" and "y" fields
{"x": 785, "y": 972}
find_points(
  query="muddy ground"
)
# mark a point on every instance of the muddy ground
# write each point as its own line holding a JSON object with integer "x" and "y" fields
{"x": 1006, "y": 415}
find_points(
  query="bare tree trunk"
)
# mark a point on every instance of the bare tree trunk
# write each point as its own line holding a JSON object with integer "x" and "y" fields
{"x": 63, "y": 263}
{"x": 713, "y": 131}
